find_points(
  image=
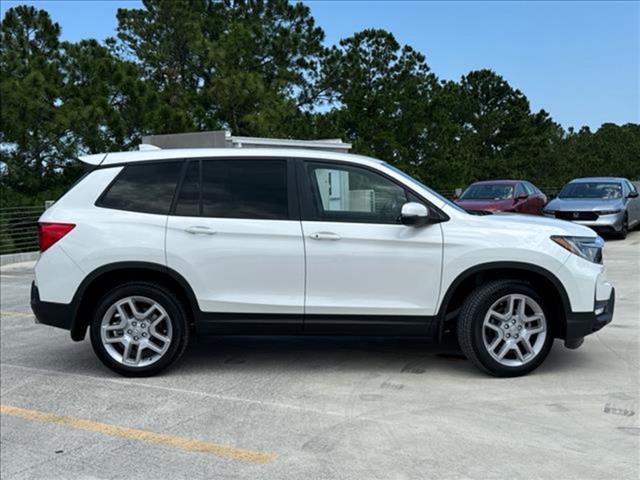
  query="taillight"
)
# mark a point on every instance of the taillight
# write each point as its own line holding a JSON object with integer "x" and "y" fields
{"x": 50, "y": 233}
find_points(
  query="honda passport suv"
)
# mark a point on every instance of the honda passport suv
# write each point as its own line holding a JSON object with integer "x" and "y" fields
{"x": 153, "y": 246}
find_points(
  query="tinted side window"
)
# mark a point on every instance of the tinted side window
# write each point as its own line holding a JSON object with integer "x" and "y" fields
{"x": 188, "y": 201}
{"x": 529, "y": 188}
{"x": 352, "y": 194}
{"x": 146, "y": 187}
{"x": 245, "y": 189}
{"x": 632, "y": 187}
{"x": 519, "y": 190}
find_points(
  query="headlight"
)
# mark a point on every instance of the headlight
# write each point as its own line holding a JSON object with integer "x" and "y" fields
{"x": 608, "y": 212}
{"x": 589, "y": 248}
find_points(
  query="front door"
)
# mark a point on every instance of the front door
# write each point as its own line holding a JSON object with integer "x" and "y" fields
{"x": 363, "y": 265}
{"x": 234, "y": 234}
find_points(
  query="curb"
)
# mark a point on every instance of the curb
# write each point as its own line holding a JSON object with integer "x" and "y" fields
{"x": 18, "y": 258}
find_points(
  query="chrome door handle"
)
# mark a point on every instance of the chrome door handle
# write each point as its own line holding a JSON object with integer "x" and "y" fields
{"x": 325, "y": 236}
{"x": 199, "y": 230}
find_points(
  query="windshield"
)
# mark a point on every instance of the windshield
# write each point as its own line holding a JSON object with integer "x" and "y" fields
{"x": 604, "y": 190}
{"x": 488, "y": 192}
{"x": 436, "y": 194}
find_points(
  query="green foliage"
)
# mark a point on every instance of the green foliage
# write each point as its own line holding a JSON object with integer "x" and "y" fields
{"x": 260, "y": 68}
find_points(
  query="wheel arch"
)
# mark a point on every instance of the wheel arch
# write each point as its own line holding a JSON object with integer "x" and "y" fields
{"x": 106, "y": 277}
{"x": 546, "y": 283}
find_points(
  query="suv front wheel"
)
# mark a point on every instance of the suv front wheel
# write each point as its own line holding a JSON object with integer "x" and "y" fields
{"x": 139, "y": 329}
{"x": 503, "y": 328}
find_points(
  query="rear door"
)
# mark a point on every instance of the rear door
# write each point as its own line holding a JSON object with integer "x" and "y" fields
{"x": 536, "y": 199}
{"x": 522, "y": 205}
{"x": 364, "y": 268}
{"x": 234, "y": 234}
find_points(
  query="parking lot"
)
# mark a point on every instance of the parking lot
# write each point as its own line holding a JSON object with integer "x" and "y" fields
{"x": 321, "y": 408}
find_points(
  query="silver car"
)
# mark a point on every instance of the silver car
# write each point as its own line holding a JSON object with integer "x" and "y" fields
{"x": 609, "y": 205}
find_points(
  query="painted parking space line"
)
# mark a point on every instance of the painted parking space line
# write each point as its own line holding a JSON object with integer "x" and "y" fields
{"x": 6, "y": 313}
{"x": 182, "y": 443}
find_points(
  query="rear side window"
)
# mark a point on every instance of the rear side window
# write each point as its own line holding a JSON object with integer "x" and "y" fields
{"x": 146, "y": 187}
{"x": 529, "y": 188}
{"x": 255, "y": 189}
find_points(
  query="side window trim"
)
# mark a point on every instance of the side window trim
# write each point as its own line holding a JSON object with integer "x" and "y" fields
{"x": 176, "y": 193}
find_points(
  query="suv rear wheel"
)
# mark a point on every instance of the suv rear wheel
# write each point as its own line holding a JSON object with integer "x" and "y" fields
{"x": 139, "y": 329}
{"x": 504, "y": 329}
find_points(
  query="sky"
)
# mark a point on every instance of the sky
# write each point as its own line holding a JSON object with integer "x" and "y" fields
{"x": 579, "y": 61}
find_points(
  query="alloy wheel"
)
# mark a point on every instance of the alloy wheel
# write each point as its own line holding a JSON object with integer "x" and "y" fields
{"x": 136, "y": 331}
{"x": 514, "y": 330}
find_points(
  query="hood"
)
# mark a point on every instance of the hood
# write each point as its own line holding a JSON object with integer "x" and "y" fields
{"x": 535, "y": 223}
{"x": 584, "y": 204}
{"x": 491, "y": 205}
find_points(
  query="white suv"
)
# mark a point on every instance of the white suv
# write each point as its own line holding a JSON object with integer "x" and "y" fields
{"x": 152, "y": 246}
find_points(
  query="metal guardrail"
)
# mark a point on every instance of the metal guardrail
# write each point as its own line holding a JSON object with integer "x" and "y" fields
{"x": 19, "y": 229}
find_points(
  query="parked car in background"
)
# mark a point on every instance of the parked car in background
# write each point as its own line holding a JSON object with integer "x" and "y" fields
{"x": 503, "y": 196}
{"x": 609, "y": 205}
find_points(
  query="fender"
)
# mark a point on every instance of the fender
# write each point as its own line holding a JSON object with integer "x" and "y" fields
{"x": 483, "y": 267}
{"x": 77, "y": 327}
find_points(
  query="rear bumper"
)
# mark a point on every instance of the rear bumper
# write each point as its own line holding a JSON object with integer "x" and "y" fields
{"x": 58, "y": 315}
{"x": 581, "y": 324}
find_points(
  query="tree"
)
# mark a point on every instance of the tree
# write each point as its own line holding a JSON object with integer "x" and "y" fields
{"x": 259, "y": 68}
{"x": 34, "y": 125}
{"x": 499, "y": 136}
{"x": 246, "y": 65}
{"x": 381, "y": 95}
{"x": 109, "y": 106}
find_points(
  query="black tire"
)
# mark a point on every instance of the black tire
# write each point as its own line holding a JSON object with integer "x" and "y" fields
{"x": 470, "y": 325}
{"x": 622, "y": 234}
{"x": 177, "y": 317}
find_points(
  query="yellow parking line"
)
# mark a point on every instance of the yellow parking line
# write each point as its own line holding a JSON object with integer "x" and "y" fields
{"x": 141, "y": 435}
{"x": 5, "y": 313}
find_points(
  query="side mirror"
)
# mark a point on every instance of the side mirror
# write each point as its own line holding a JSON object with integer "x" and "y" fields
{"x": 522, "y": 196}
{"x": 633, "y": 195}
{"x": 414, "y": 214}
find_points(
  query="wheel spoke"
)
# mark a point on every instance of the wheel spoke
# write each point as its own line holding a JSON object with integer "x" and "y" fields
{"x": 500, "y": 316}
{"x": 494, "y": 327}
{"x": 153, "y": 347}
{"x": 134, "y": 309}
{"x": 122, "y": 314}
{"x": 114, "y": 340}
{"x": 147, "y": 313}
{"x": 533, "y": 331}
{"x": 495, "y": 342}
{"x": 111, "y": 328}
{"x": 127, "y": 352}
{"x": 157, "y": 321}
{"x": 528, "y": 349}
{"x": 159, "y": 336}
{"x": 504, "y": 350}
{"x": 138, "y": 354}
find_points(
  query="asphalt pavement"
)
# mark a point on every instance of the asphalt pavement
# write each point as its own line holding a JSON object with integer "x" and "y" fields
{"x": 320, "y": 408}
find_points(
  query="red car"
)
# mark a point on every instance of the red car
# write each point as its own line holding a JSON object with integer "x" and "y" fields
{"x": 503, "y": 196}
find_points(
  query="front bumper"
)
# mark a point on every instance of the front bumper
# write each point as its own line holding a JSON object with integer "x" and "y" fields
{"x": 604, "y": 223}
{"x": 49, "y": 313}
{"x": 581, "y": 324}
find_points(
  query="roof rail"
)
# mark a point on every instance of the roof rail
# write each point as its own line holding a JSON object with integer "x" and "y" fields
{"x": 224, "y": 139}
